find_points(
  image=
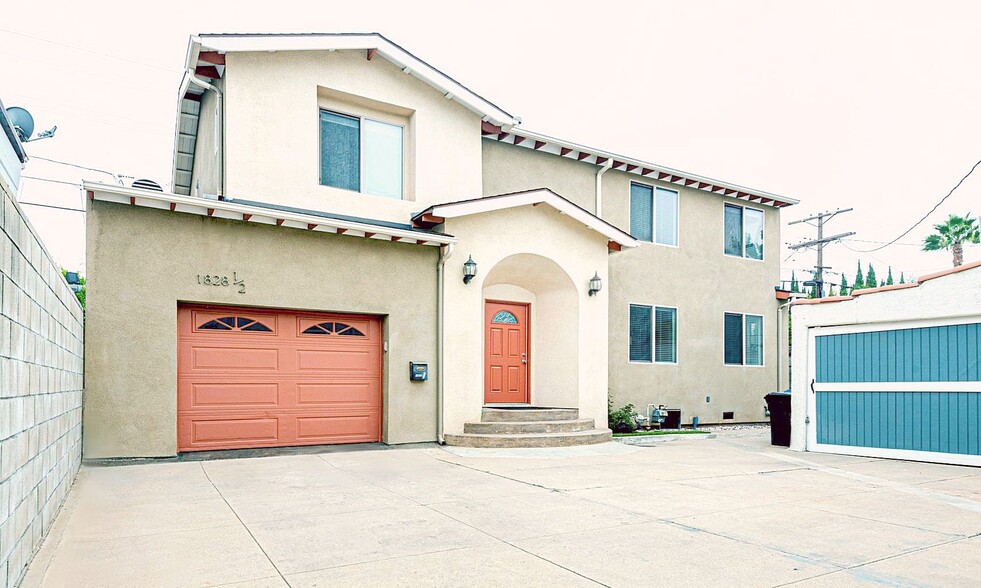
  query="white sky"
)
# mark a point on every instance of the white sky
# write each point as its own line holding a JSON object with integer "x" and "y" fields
{"x": 871, "y": 105}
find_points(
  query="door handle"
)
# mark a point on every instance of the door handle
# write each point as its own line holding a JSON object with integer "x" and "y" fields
{"x": 524, "y": 361}
{"x": 812, "y": 386}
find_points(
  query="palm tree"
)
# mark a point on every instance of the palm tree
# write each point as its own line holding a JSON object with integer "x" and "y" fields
{"x": 952, "y": 235}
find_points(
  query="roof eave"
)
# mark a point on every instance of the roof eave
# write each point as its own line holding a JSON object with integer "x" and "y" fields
{"x": 525, "y": 138}
{"x": 229, "y": 210}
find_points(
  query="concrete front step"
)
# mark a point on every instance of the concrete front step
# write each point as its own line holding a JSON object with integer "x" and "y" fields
{"x": 566, "y": 439}
{"x": 514, "y": 415}
{"x": 519, "y": 427}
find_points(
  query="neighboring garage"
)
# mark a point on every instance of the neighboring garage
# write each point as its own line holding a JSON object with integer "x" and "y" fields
{"x": 892, "y": 372}
{"x": 257, "y": 378}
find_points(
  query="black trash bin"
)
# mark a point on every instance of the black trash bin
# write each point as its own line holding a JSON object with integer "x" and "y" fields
{"x": 779, "y": 405}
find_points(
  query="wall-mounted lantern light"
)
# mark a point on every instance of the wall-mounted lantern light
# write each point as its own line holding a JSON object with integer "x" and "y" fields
{"x": 469, "y": 269}
{"x": 595, "y": 284}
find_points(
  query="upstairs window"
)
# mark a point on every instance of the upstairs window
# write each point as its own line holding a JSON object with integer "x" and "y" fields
{"x": 743, "y": 339}
{"x": 654, "y": 214}
{"x": 361, "y": 154}
{"x": 743, "y": 232}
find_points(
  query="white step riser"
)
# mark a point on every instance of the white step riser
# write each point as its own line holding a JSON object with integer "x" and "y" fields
{"x": 592, "y": 437}
{"x": 498, "y": 415}
{"x": 513, "y": 428}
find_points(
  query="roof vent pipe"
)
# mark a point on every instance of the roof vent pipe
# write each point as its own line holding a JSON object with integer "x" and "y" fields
{"x": 599, "y": 186}
{"x": 219, "y": 128}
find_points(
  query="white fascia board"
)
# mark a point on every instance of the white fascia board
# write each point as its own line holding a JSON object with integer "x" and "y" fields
{"x": 393, "y": 53}
{"x": 230, "y": 210}
{"x": 637, "y": 162}
{"x": 537, "y": 197}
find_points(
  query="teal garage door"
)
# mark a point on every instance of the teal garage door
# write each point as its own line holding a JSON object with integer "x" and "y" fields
{"x": 909, "y": 391}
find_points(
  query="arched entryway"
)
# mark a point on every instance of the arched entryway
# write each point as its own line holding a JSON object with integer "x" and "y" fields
{"x": 534, "y": 289}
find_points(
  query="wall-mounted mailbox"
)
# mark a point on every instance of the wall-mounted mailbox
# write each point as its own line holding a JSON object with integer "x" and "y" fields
{"x": 418, "y": 372}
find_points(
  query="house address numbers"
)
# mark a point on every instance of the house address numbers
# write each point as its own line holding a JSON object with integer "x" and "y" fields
{"x": 221, "y": 280}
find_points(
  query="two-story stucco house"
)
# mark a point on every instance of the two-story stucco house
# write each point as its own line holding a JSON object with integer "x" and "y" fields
{"x": 358, "y": 248}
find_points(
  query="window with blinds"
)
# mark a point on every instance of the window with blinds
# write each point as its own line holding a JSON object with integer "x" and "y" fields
{"x": 640, "y": 333}
{"x": 743, "y": 339}
{"x": 754, "y": 340}
{"x": 666, "y": 217}
{"x": 654, "y": 214}
{"x": 642, "y": 212}
{"x": 734, "y": 339}
{"x": 665, "y": 335}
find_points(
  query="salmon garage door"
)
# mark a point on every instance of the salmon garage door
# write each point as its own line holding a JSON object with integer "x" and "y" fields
{"x": 263, "y": 378}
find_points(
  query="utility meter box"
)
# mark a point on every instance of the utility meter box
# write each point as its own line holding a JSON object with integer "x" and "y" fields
{"x": 418, "y": 371}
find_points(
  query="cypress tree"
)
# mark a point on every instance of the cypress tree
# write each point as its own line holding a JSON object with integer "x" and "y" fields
{"x": 889, "y": 281}
{"x": 870, "y": 280}
{"x": 794, "y": 285}
{"x": 902, "y": 278}
{"x": 859, "y": 279}
{"x": 844, "y": 285}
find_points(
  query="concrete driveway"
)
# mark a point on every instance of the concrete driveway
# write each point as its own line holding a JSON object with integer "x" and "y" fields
{"x": 730, "y": 510}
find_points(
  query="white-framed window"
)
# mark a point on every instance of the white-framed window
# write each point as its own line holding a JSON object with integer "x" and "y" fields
{"x": 653, "y": 334}
{"x": 743, "y": 339}
{"x": 743, "y": 231}
{"x": 361, "y": 154}
{"x": 654, "y": 214}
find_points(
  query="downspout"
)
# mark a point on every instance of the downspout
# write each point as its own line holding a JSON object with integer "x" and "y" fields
{"x": 439, "y": 341}
{"x": 219, "y": 128}
{"x": 780, "y": 335}
{"x": 599, "y": 186}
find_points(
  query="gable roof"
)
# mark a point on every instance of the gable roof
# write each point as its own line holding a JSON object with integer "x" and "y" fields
{"x": 206, "y": 52}
{"x": 206, "y": 58}
{"x": 916, "y": 284}
{"x": 437, "y": 214}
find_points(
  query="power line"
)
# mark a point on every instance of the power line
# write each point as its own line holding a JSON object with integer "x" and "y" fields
{"x": 871, "y": 241}
{"x": 77, "y": 185}
{"x": 917, "y": 223}
{"x": 819, "y": 243}
{"x": 115, "y": 176}
{"x": 92, "y": 51}
{"x": 51, "y": 206}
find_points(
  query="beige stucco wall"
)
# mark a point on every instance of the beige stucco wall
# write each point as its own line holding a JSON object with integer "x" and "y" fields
{"x": 696, "y": 278}
{"x": 142, "y": 262}
{"x": 272, "y": 136}
{"x": 953, "y": 296}
{"x": 508, "y": 169}
{"x": 552, "y": 257}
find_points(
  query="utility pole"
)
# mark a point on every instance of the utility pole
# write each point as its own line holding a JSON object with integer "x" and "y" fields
{"x": 820, "y": 242}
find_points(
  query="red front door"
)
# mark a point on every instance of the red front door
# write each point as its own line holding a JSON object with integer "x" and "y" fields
{"x": 506, "y": 352}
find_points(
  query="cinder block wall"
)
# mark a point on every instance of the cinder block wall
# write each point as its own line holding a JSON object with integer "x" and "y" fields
{"x": 40, "y": 391}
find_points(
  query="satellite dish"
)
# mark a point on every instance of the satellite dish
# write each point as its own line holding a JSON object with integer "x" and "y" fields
{"x": 22, "y": 122}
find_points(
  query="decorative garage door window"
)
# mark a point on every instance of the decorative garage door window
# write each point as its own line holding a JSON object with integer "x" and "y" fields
{"x": 333, "y": 329}
{"x": 505, "y": 317}
{"x": 235, "y": 323}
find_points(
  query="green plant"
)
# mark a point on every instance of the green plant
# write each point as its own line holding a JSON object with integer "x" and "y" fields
{"x": 622, "y": 419}
{"x": 952, "y": 234}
